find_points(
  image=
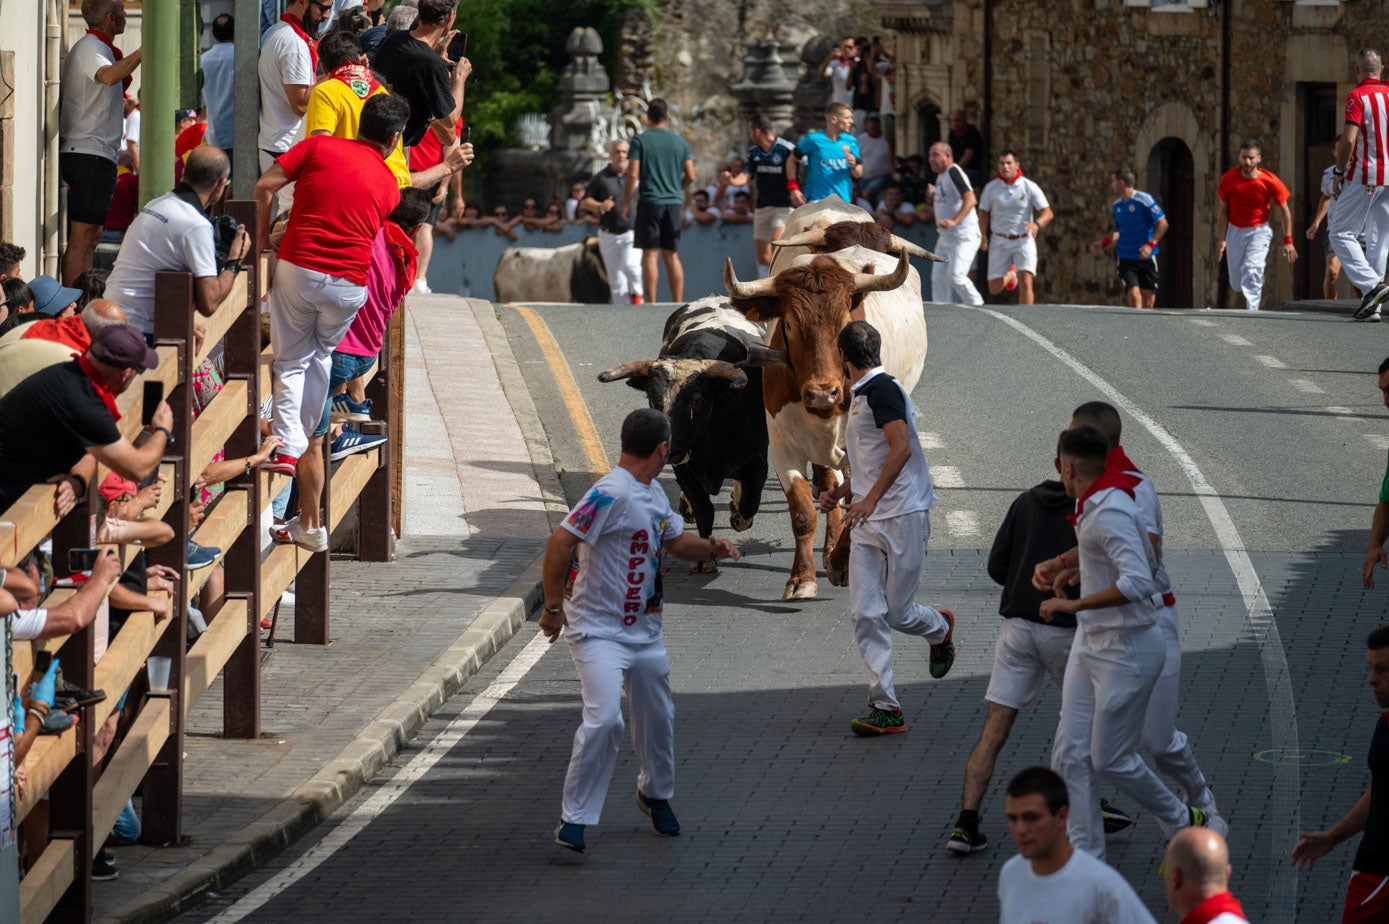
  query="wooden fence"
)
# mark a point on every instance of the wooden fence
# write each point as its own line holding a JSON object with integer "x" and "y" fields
{"x": 69, "y": 804}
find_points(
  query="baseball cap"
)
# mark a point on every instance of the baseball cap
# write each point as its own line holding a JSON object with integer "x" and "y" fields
{"x": 113, "y": 486}
{"x": 51, "y": 296}
{"x": 123, "y": 347}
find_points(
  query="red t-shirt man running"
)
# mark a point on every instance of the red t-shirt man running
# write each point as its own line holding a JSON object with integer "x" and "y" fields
{"x": 1248, "y": 195}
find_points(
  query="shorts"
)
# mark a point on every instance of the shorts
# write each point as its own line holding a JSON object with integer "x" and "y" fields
{"x": 768, "y": 219}
{"x": 1367, "y": 899}
{"x": 657, "y": 225}
{"x": 91, "y": 183}
{"x": 1139, "y": 274}
{"x": 1025, "y": 653}
{"x": 1019, "y": 253}
{"x": 346, "y": 367}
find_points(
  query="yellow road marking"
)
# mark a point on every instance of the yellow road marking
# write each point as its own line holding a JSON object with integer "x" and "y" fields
{"x": 568, "y": 390}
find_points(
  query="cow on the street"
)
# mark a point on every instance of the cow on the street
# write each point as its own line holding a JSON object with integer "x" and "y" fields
{"x": 803, "y": 308}
{"x": 707, "y": 381}
{"x": 572, "y": 273}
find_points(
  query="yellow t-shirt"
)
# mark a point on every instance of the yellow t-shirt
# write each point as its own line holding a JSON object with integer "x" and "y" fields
{"x": 336, "y": 109}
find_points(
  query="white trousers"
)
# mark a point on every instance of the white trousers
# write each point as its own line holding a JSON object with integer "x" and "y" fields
{"x": 1246, "y": 255}
{"x": 1162, "y": 739}
{"x": 607, "y": 669}
{"x": 623, "y": 262}
{"x": 1104, "y": 701}
{"x": 310, "y": 312}
{"x": 950, "y": 281}
{"x": 1360, "y": 212}
{"x": 884, "y": 572}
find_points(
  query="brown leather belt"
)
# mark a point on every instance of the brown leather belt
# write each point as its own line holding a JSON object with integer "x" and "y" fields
{"x": 1010, "y": 237}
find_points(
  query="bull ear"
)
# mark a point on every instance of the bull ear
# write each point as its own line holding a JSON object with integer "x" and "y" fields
{"x": 869, "y": 282}
{"x": 763, "y": 357}
{"x": 718, "y": 369}
{"x": 641, "y": 367}
{"x": 902, "y": 245}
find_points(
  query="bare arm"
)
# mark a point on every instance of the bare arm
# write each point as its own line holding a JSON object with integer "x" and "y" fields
{"x": 1374, "y": 555}
{"x": 629, "y": 190}
{"x": 688, "y": 179}
{"x": 458, "y": 157}
{"x": 1159, "y": 230}
{"x": 899, "y": 450}
{"x": 270, "y": 182}
{"x": 1319, "y": 217}
{"x": 1313, "y": 845}
{"x": 210, "y": 290}
{"x": 445, "y": 127}
{"x": 1286, "y": 222}
{"x": 554, "y": 571}
{"x": 792, "y": 183}
{"x": 298, "y": 96}
{"x": 1222, "y": 225}
{"x": 1044, "y": 218}
{"x": 77, "y": 611}
{"x": 113, "y": 74}
{"x": 692, "y": 548}
{"x": 137, "y": 464}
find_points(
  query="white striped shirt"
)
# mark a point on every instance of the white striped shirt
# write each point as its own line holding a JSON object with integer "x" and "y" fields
{"x": 1367, "y": 108}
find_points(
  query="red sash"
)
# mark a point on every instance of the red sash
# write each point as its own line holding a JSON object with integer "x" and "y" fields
{"x": 358, "y": 78}
{"x": 1213, "y": 907}
{"x": 298, "y": 28}
{"x": 103, "y": 391}
{"x": 115, "y": 52}
{"x": 1017, "y": 176}
{"x": 1119, "y": 460}
{"x": 1111, "y": 478}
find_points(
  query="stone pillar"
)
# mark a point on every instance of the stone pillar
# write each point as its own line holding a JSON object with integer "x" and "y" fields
{"x": 583, "y": 92}
{"x": 768, "y": 86}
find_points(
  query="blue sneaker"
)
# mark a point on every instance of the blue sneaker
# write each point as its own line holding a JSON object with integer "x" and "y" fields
{"x": 350, "y": 441}
{"x": 202, "y": 556}
{"x": 663, "y": 820}
{"x": 570, "y": 835}
{"x": 344, "y": 408}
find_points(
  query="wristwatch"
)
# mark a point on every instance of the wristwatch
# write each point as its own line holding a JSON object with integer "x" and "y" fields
{"x": 554, "y": 609}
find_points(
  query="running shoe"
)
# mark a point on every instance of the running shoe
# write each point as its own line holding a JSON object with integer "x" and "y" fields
{"x": 293, "y": 531}
{"x": 570, "y": 835}
{"x": 350, "y": 442}
{"x": 280, "y": 463}
{"x": 879, "y": 722}
{"x": 1115, "y": 818}
{"x": 943, "y": 655}
{"x": 1214, "y": 820}
{"x": 663, "y": 820}
{"x": 965, "y": 842}
{"x": 1377, "y": 296}
{"x": 345, "y": 409}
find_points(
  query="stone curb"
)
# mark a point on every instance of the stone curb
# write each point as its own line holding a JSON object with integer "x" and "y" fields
{"x": 343, "y": 776}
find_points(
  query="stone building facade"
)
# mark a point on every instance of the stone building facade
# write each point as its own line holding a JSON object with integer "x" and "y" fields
{"x": 1080, "y": 87}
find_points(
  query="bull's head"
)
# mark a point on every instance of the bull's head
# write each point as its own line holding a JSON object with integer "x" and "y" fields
{"x": 811, "y": 304}
{"x": 824, "y": 238}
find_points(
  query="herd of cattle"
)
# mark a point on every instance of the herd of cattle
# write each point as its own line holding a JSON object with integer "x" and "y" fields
{"x": 756, "y": 375}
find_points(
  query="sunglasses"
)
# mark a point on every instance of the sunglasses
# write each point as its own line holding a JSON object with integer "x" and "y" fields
{"x": 322, "y": 7}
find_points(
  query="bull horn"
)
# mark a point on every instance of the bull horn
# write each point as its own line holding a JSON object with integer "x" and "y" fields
{"x": 872, "y": 282}
{"x": 902, "y": 245}
{"x": 718, "y": 369}
{"x": 736, "y": 289}
{"x": 627, "y": 370}
{"x": 812, "y": 237}
{"x": 763, "y": 357}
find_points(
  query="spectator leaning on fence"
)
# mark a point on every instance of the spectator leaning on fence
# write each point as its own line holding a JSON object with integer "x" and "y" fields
{"x": 320, "y": 282}
{"x": 288, "y": 59}
{"x": 56, "y": 421}
{"x": 173, "y": 234}
{"x": 95, "y": 76}
{"x": 335, "y": 103}
{"x": 50, "y": 341}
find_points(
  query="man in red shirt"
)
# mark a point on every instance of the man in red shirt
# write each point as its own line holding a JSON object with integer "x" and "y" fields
{"x": 343, "y": 193}
{"x": 1248, "y": 195}
{"x": 1360, "y": 207}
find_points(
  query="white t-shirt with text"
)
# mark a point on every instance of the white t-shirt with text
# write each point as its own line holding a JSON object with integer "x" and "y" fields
{"x": 1084, "y": 891}
{"x": 284, "y": 61}
{"x": 168, "y": 235}
{"x": 615, "y": 589}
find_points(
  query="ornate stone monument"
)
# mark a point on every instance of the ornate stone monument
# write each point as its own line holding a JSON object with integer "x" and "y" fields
{"x": 770, "y": 71}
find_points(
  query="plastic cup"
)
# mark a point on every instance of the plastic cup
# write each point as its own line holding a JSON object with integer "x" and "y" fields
{"x": 158, "y": 669}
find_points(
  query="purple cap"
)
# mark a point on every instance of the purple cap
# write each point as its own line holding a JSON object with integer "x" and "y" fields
{"x": 123, "y": 347}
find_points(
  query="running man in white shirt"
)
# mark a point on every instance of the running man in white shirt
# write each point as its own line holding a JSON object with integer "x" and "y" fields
{"x": 1012, "y": 209}
{"x": 1119, "y": 649}
{"x": 891, "y": 522}
{"x": 1049, "y": 881}
{"x": 959, "y": 230}
{"x": 609, "y": 605}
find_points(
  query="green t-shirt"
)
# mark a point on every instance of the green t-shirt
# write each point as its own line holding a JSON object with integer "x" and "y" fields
{"x": 1384, "y": 488}
{"x": 662, "y": 154}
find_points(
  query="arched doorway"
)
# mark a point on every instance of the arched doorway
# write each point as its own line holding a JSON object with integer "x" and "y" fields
{"x": 928, "y": 122}
{"x": 1172, "y": 175}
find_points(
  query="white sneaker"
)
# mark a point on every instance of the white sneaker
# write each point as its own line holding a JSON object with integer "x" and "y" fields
{"x": 421, "y": 288}
{"x": 310, "y": 540}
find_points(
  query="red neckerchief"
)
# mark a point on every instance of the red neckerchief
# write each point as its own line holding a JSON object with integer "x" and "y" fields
{"x": 298, "y": 28}
{"x": 1213, "y": 907}
{"x": 103, "y": 391}
{"x": 1017, "y": 176}
{"x": 358, "y": 77}
{"x": 403, "y": 252}
{"x": 1118, "y": 459}
{"x": 115, "y": 52}
{"x": 1110, "y": 478}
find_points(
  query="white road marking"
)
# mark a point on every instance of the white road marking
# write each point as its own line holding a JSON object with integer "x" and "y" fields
{"x": 395, "y": 787}
{"x": 1201, "y": 322}
{"x": 1235, "y": 340}
{"x": 1339, "y": 411}
{"x": 1258, "y": 614}
{"x": 1273, "y": 362}
{"x": 946, "y": 476}
{"x": 1306, "y": 386}
{"x": 929, "y": 440}
{"x": 1378, "y": 441}
{"x": 963, "y": 523}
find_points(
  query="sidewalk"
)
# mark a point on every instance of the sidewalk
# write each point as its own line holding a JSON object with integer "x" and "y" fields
{"x": 405, "y": 635}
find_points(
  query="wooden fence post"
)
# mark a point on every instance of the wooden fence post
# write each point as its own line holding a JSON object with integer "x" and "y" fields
{"x": 311, "y": 595}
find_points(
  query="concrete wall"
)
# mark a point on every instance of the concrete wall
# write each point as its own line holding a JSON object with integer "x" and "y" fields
{"x": 464, "y": 266}
{"x": 23, "y": 35}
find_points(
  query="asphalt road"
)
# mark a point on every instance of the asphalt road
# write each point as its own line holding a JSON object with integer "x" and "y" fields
{"x": 1266, "y": 437}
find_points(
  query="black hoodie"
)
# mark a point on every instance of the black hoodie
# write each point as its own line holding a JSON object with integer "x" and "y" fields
{"x": 1034, "y": 530}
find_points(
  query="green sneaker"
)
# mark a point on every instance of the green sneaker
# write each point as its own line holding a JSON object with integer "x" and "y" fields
{"x": 943, "y": 655}
{"x": 879, "y": 722}
{"x": 964, "y": 841}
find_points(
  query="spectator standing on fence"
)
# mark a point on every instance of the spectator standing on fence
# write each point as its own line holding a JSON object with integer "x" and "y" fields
{"x": 174, "y": 234}
{"x": 335, "y": 103}
{"x": 662, "y": 163}
{"x": 95, "y": 76}
{"x": 288, "y": 61}
{"x": 831, "y": 159}
{"x": 605, "y": 195}
{"x": 218, "y": 62}
{"x": 959, "y": 239}
{"x": 320, "y": 283}
{"x": 1248, "y": 196}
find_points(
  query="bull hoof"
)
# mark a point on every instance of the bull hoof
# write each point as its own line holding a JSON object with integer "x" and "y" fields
{"x": 704, "y": 567}
{"x": 837, "y": 577}
{"x": 800, "y": 590}
{"x": 737, "y": 521}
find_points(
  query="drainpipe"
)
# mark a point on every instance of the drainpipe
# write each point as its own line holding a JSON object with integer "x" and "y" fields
{"x": 1222, "y": 295}
{"x": 159, "y": 97}
{"x": 246, "y": 99}
{"x": 988, "y": 103}
{"x": 54, "y": 10}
